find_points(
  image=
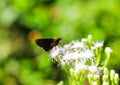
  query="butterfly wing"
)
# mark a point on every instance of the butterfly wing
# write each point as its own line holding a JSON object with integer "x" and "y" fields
{"x": 45, "y": 43}
{"x": 56, "y": 42}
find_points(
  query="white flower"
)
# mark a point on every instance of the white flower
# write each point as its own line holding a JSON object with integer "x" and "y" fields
{"x": 78, "y": 55}
{"x": 89, "y": 37}
{"x": 75, "y": 53}
{"x": 108, "y": 50}
{"x": 97, "y": 76}
{"x": 80, "y": 66}
{"x": 86, "y": 54}
{"x": 67, "y": 46}
{"x": 98, "y": 44}
{"x": 70, "y": 56}
{"x": 84, "y": 40}
{"x": 105, "y": 83}
{"x": 56, "y": 52}
{"x": 94, "y": 83}
{"x": 77, "y": 44}
{"x": 92, "y": 68}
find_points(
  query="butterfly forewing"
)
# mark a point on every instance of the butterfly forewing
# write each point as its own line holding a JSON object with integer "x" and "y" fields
{"x": 48, "y": 43}
{"x": 44, "y": 43}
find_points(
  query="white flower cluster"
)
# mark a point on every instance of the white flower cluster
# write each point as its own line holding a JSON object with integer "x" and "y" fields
{"x": 77, "y": 54}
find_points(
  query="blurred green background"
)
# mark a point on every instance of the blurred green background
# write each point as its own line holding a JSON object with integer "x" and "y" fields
{"x": 22, "y": 62}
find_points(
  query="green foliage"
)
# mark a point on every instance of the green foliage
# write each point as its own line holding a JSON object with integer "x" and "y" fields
{"x": 22, "y": 21}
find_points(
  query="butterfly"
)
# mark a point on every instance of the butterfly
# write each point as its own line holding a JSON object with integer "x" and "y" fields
{"x": 47, "y": 43}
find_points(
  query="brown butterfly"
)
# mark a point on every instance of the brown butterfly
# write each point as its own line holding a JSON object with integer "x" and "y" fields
{"x": 47, "y": 43}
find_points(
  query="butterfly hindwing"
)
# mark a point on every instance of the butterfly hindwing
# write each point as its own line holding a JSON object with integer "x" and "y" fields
{"x": 56, "y": 42}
